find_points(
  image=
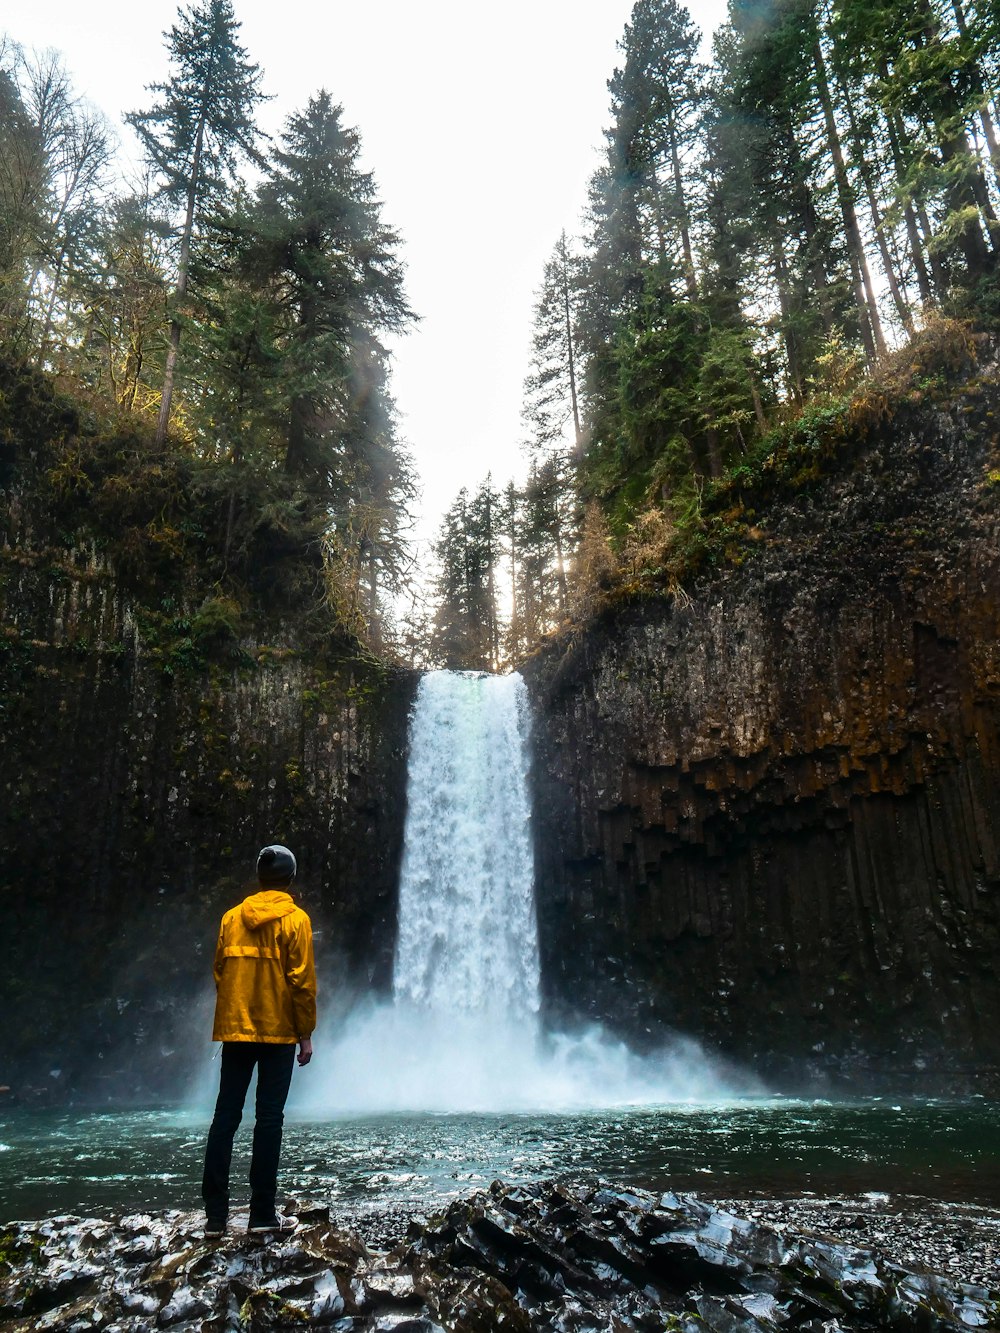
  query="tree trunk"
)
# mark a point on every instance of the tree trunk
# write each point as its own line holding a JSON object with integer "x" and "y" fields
{"x": 570, "y": 355}
{"x": 864, "y": 292}
{"x": 374, "y": 619}
{"x": 986, "y": 120}
{"x": 966, "y": 190}
{"x": 758, "y": 407}
{"x": 493, "y": 629}
{"x": 170, "y": 368}
{"x": 914, "y": 215}
{"x": 515, "y": 619}
{"x": 560, "y": 567}
{"x": 966, "y": 193}
{"x": 787, "y": 333}
{"x": 878, "y": 222}
{"x": 661, "y": 231}
{"x": 714, "y": 453}
{"x": 805, "y": 209}
{"x": 682, "y": 216}
{"x": 50, "y": 306}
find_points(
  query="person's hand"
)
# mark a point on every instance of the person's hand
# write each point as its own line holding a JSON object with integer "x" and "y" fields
{"x": 305, "y": 1051}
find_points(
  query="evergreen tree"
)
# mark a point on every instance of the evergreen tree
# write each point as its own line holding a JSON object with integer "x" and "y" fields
{"x": 551, "y": 400}
{"x": 465, "y": 635}
{"x": 656, "y": 98}
{"x": 318, "y": 244}
{"x": 641, "y": 291}
{"x": 302, "y": 284}
{"x": 768, "y": 147}
{"x": 869, "y": 322}
{"x": 641, "y": 199}
{"x": 731, "y": 375}
{"x": 194, "y": 135}
{"x": 545, "y": 536}
{"x": 923, "y": 82}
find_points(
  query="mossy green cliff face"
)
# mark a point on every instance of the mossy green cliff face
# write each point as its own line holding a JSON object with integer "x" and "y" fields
{"x": 155, "y": 736}
{"x": 768, "y": 811}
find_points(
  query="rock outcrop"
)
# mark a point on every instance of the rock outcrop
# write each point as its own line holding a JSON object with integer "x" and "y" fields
{"x": 768, "y": 810}
{"x": 155, "y": 735}
{"x": 132, "y": 805}
{"x": 545, "y": 1257}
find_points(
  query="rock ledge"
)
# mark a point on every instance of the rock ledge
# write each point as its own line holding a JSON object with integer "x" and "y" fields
{"x": 549, "y": 1256}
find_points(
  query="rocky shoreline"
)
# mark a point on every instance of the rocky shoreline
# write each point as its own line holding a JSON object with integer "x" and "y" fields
{"x": 549, "y": 1256}
{"x": 960, "y": 1240}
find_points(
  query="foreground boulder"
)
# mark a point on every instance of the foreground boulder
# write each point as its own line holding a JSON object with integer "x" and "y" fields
{"x": 547, "y": 1256}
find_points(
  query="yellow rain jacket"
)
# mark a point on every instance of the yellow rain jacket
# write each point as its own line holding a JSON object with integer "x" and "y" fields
{"x": 265, "y": 980}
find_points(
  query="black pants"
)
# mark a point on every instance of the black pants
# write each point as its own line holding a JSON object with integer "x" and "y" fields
{"x": 274, "y": 1063}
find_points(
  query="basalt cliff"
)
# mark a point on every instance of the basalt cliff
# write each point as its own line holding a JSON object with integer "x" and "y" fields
{"x": 154, "y": 735}
{"x": 767, "y": 800}
{"x": 768, "y": 807}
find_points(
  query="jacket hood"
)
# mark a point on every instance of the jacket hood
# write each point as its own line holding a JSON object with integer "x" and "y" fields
{"x": 268, "y": 905}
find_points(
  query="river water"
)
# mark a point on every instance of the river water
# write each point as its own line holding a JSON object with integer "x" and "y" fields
{"x": 95, "y": 1163}
{"x": 453, "y": 1081}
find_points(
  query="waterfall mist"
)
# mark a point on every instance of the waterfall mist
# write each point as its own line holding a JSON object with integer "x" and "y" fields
{"x": 462, "y": 1031}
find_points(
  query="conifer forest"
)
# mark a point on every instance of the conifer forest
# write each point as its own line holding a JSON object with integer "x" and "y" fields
{"x": 807, "y": 216}
{"x": 576, "y": 692}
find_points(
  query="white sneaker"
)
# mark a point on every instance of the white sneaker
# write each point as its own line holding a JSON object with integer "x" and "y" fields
{"x": 272, "y": 1225}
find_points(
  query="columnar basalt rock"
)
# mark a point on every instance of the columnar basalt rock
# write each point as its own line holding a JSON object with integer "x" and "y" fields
{"x": 136, "y": 790}
{"x": 768, "y": 813}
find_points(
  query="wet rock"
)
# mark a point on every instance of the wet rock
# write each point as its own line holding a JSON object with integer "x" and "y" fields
{"x": 963, "y": 1240}
{"x": 307, "y": 1213}
{"x": 551, "y": 1256}
{"x": 784, "y": 786}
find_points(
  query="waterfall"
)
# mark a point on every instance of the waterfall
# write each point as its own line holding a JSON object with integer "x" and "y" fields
{"x": 462, "y": 1031}
{"x": 467, "y": 940}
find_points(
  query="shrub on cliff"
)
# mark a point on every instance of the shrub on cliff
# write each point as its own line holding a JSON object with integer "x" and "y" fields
{"x": 722, "y": 522}
{"x": 200, "y": 534}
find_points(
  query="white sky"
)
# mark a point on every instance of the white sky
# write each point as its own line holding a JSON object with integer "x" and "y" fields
{"x": 482, "y": 124}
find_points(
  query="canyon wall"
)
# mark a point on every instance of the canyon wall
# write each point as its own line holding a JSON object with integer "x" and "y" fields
{"x": 136, "y": 790}
{"x": 768, "y": 809}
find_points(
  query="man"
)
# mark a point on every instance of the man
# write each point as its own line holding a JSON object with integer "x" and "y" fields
{"x": 265, "y": 1005}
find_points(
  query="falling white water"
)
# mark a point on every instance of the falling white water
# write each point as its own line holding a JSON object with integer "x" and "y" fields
{"x": 467, "y": 942}
{"x": 462, "y": 1032}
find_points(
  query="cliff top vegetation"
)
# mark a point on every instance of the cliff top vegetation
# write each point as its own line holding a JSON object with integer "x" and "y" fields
{"x": 194, "y": 371}
{"x": 782, "y": 247}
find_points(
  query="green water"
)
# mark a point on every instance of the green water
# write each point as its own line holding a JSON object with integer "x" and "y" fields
{"x": 99, "y": 1163}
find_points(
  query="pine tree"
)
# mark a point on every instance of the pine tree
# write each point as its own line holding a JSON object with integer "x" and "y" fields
{"x": 466, "y": 623}
{"x": 546, "y": 536}
{"x": 318, "y": 245}
{"x": 301, "y": 283}
{"x": 869, "y": 321}
{"x": 509, "y": 518}
{"x": 551, "y": 399}
{"x": 796, "y": 255}
{"x": 194, "y": 137}
{"x": 657, "y": 97}
{"x": 922, "y": 81}
{"x": 979, "y": 34}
